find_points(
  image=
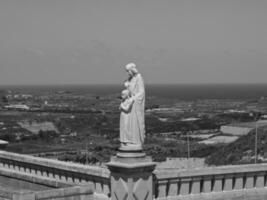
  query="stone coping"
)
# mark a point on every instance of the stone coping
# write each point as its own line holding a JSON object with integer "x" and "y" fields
{"x": 211, "y": 171}
{"x": 63, "y": 193}
{"x": 131, "y": 165}
{"x": 57, "y": 188}
{"x": 59, "y": 193}
{"x": 159, "y": 174}
{"x": 55, "y": 164}
{"x": 248, "y": 194}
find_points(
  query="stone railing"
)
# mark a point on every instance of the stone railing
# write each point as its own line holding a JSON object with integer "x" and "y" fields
{"x": 135, "y": 180}
{"x": 23, "y": 186}
{"x": 227, "y": 181}
{"x": 59, "y": 170}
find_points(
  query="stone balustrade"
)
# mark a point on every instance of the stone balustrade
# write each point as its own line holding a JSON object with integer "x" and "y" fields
{"x": 59, "y": 170}
{"x": 16, "y": 185}
{"x": 198, "y": 183}
{"x": 216, "y": 183}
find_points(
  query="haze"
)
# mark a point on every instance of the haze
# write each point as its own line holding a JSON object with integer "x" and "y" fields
{"x": 171, "y": 41}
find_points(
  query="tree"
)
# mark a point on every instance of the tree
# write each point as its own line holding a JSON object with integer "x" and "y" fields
{"x": 4, "y": 99}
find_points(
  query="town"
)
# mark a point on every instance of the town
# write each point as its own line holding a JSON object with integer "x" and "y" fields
{"x": 83, "y": 127}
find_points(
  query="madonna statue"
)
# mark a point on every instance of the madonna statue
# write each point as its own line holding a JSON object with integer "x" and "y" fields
{"x": 132, "y": 121}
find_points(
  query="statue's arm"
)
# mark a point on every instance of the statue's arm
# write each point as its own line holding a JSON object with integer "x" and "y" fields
{"x": 141, "y": 89}
{"x": 126, "y": 107}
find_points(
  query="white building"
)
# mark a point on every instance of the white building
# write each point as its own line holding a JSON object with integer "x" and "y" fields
{"x": 240, "y": 129}
{"x": 17, "y": 107}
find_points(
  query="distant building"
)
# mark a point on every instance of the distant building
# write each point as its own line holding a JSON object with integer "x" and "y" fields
{"x": 220, "y": 139}
{"x": 235, "y": 130}
{"x": 190, "y": 119}
{"x": 235, "y": 111}
{"x": 35, "y": 127}
{"x": 240, "y": 129}
{"x": 17, "y": 107}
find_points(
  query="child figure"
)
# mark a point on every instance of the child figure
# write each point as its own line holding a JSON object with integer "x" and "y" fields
{"x": 125, "y": 107}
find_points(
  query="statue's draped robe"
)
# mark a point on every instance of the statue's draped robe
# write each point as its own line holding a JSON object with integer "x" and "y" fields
{"x": 125, "y": 135}
{"x": 137, "y": 114}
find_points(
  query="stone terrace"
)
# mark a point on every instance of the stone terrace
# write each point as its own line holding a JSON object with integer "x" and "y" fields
{"x": 227, "y": 182}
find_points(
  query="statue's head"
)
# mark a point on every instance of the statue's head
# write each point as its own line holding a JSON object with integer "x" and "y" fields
{"x": 125, "y": 94}
{"x": 131, "y": 69}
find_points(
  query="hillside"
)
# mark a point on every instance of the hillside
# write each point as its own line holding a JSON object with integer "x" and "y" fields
{"x": 242, "y": 150}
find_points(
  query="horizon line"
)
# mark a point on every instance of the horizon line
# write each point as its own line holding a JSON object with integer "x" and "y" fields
{"x": 116, "y": 84}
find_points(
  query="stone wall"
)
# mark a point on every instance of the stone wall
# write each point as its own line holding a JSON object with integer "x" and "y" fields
{"x": 217, "y": 183}
{"x": 71, "y": 193}
{"x": 216, "y": 180}
{"x": 16, "y": 185}
{"x": 58, "y": 170}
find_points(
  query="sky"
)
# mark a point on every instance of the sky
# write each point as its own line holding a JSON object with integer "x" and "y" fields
{"x": 171, "y": 41}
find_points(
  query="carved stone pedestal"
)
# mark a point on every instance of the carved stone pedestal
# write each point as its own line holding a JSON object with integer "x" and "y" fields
{"x": 131, "y": 175}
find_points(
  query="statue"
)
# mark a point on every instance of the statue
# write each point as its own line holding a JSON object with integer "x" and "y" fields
{"x": 131, "y": 170}
{"x": 132, "y": 120}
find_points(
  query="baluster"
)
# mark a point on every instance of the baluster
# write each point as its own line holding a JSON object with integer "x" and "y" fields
{"x": 173, "y": 187}
{"x": 16, "y": 167}
{"x": 28, "y": 170}
{"x": 207, "y": 180}
{"x": 162, "y": 187}
{"x": 249, "y": 183}
{"x": 259, "y": 183}
{"x": 228, "y": 182}
{"x": 218, "y": 183}
{"x": 89, "y": 179}
{"x": 196, "y": 185}
{"x": 76, "y": 178}
{"x": 98, "y": 186}
{"x": 56, "y": 174}
{"x": 8, "y": 164}
{"x": 106, "y": 187}
{"x": 238, "y": 181}
{"x": 185, "y": 186}
{"x": 12, "y": 165}
{"x": 68, "y": 177}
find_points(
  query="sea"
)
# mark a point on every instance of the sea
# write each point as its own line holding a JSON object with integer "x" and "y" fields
{"x": 172, "y": 91}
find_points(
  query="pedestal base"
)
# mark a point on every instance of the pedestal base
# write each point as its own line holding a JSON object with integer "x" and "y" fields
{"x": 130, "y": 152}
{"x": 131, "y": 175}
